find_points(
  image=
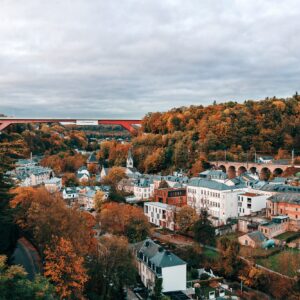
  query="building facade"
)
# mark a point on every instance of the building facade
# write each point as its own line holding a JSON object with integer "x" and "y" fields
{"x": 249, "y": 203}
{"x": 220, "y": 200}
{"x": 153, "y": 261}
{"x": 160, "y": 214}
{"x": 171, "y": 196}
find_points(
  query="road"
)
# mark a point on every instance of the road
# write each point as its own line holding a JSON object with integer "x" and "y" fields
{"x": 27, "y": 256}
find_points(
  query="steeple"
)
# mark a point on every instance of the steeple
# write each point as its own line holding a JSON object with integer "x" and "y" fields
{"x": 129, "y": 162}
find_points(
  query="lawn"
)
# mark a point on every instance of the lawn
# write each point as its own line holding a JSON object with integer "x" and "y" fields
{"x": 286, "y": 262}
{"x": 285, "y": 235}
{"x": 231, "y": 236}
{"x": 249, "y": 252}
{"x": 210, "y": 254}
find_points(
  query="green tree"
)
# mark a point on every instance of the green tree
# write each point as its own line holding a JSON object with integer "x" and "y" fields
{"x": 204, "y": 232}
{"x": 110, "y": 269}
{"x": 8, "y": 229}
{"x": 158, "y": 287}
{"x": 15, "y": 285}
{"x": 136, "y": 230}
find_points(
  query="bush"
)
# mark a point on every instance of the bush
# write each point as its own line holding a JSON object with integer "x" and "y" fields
{"x": 194, "y": 273}
{"x": 204, "y": 276}
{"x": 293, "y": 237}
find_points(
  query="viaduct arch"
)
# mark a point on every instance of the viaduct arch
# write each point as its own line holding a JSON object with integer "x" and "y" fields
{"x": 240, "y": 167}
{"x": 127, "y": 124}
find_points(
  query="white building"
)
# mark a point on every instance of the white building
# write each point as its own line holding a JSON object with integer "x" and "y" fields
{"x": 83, "y": 175}
{"x": 153, "y": 261}
{"x": 31, "y": 175}
{"x": 143, "y": 189}
{"x": 249, "y": 203}
{"x": 70, "y": 193}
{"x": 219, "y": 199}
{"x": 53, "y": 185}
{"x": 160, "y": 214}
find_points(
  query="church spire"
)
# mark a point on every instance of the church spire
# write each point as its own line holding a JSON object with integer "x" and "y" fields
{"x": 129, "y": 162}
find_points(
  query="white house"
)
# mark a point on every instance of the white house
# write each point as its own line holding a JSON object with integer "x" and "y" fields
{"x": 53, "y": 185}
{"x": 153, "y": 261}
{"x": 219, "y": 199}
{"x": 70, "y": 193}
{"x": 160, "y": 214}
{"x": 83, "y": 174}
{"x": 249, "y": 203}
{"x": 143, "y": 189}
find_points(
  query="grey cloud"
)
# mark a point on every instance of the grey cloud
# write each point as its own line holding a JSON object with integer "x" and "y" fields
{"x": 125, "y": 58}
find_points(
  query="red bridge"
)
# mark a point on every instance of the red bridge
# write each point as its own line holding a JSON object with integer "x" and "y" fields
{"x": 127, "y": 124}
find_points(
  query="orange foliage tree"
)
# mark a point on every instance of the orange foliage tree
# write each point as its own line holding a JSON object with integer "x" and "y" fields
{"x": 124, "y": 219}
{"x": 115, "y": 175}
{"x": 65, "y": 269}
{"x": 45, "y": 215}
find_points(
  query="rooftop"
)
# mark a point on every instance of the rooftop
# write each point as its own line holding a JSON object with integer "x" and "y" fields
{"x": 250, "y": 195}
{"x": 293, "y": 198}
{"x": 160, "y": 205}
{"x": 257, "y": 236}
{"x": 211, "y": 184}
{"x": 156, "y": 256}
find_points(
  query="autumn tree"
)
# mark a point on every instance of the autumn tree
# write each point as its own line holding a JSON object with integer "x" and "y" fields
{"x": 44, "y": 215}
{"x": 65, "y": 269}
{"x": 69, "y": 179}
{"x": 114, "y": 176}
{"x": 185, "y": 218}
{"x": 64, "y": 162}
{"x": 99, "y": 200}
{"x": 229, "y": 250}
{"x": 123, "y": 219}
{"x": 255, "y": 277}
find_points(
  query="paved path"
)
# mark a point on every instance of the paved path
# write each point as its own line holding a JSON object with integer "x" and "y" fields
{"x": 27, "y": 256}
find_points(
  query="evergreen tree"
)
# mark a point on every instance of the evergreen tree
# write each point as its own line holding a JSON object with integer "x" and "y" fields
{"x": 204, "y": 232}
{"x": 8, "y": 229}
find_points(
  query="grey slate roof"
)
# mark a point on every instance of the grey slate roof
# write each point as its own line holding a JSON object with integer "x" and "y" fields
{"x": 257, "y": 236}
{"x": 286, "y": 197}
{"x": 211, "y": 184}
{"x": 156, "y": 256}
{"x": 280, "y": 188}
{"x": 92, "y": 158}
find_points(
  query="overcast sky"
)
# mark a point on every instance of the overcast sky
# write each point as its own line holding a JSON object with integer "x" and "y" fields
{"x": 88, "y": 58}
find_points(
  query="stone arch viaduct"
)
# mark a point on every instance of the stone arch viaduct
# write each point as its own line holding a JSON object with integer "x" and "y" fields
{"x": 241, "y": 167}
